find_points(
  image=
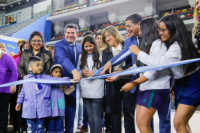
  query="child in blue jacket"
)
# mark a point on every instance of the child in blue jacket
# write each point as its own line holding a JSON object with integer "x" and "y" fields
{"x": 36, "y": 97}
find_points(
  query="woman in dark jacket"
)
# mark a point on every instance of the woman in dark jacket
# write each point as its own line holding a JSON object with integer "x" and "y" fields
{"x": 37, "y": 48}
{"x": 113, "y": 43}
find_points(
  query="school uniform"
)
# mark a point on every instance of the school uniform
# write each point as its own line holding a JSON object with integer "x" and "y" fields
{"x": 173, "y": 54}
{"x": 183, "y": 85}
{"x": 55, "y": 122}
{"x": 36, "y": 99}
{"x": 159, "y": 80}
{"x": 157, "y": 87}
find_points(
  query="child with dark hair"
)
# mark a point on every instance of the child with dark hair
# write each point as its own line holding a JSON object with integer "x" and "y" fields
{"x": 92, "y": 91}
{"x": 55, "y": 122}
{"x": 36, "y": 97}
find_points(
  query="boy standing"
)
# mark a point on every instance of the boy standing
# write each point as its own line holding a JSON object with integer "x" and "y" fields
{"x": 36, "y": 97}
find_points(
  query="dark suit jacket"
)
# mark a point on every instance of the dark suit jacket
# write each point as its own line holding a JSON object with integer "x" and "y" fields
{"x": 111, "y": 88}
{"x": 63, "y": 55}
{"x": 127, "y": 43}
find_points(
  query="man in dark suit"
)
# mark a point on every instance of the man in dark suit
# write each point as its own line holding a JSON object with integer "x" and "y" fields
{"x": 67, "y": 52}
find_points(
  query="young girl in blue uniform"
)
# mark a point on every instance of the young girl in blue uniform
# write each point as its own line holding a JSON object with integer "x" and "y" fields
{"x": 92, "y": 91}
{"x": 55, "y": 122}
{"x": 179, "y": 45}
{"x": 36, "y": 97}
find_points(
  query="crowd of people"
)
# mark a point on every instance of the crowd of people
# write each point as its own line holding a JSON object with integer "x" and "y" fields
{"x": 38, "y": 107}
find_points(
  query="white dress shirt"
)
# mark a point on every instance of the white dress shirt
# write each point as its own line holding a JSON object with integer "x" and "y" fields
{"x": 173, "y": 54}
{"x": 157, "y": 79}
{"x": 116, "y": 51}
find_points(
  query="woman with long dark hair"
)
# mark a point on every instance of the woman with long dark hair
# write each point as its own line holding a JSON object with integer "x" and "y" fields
{"x": 154, "y": 91}
{"x": 174, "y": 34}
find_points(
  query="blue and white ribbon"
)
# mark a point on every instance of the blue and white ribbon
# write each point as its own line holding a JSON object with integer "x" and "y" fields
{"x": 114, "y": 63}
{"x": 125, "y": 72}
{"x": 145, "y": 68}
{"x": 44, "y": 81}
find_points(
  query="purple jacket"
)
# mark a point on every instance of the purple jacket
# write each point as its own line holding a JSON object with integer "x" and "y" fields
{"x": 57, "y": 101}
{"x": 36, "y": 103}
{"x": 8, "y": 72}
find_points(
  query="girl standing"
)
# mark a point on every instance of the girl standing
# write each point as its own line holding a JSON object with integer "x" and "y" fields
{"x": 55, "y": 122}
{"x": 154, "y": 90}
{"x": 92, "y": 91}
{"x": 174, "y": 34}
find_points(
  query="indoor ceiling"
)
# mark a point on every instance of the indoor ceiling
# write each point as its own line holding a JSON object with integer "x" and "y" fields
{"x": 16, "y": 4}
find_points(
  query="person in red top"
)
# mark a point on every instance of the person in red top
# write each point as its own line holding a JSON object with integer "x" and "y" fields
{"x": 22, "y": 44}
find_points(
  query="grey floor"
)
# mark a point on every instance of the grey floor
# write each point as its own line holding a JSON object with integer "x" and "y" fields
{"x": 194, "y": 123}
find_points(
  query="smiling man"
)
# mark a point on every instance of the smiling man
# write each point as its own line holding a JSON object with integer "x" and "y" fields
{"x": 66, "y": 53}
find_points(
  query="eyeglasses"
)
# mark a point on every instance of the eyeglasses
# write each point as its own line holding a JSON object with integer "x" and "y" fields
{"x": 162, "y": 30}
{"x": 38, "y": 41}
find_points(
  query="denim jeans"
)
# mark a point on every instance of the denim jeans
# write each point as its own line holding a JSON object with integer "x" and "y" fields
{"x": 56, "y": 125}
{"x": 94, "y": 109}
{"x": 35, "y": 125}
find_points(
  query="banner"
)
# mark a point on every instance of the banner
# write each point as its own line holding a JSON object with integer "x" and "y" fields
{"x": 10, "y": 43}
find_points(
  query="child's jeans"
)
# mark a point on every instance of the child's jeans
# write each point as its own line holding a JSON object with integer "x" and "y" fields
{"x": 56, "y": 125}
{"x": 35, "y": 125}
{"x": 94, "y": 109}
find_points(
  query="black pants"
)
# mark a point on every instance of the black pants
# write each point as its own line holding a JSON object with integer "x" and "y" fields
{"x": 19, "y": 124}
{"x": 13, "y": 112}
{"x": 4, "y": 102}
{"x": 126, "y": 100}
